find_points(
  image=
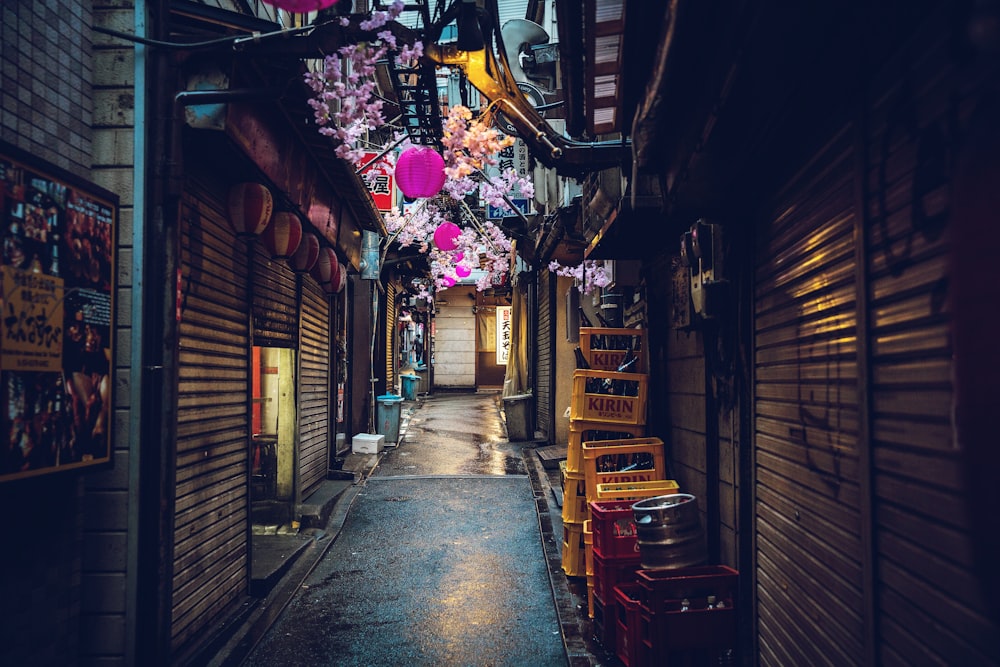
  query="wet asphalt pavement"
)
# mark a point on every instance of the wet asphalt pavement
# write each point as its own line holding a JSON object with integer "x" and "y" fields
{"x": 440, "y": 560}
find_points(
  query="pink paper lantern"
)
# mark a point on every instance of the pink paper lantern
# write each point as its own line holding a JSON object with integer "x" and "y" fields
{"x": 283, "y": 236}
{"x": 250, "y": 206}
{"x": 447, "y": 281}
{"x": 420, "y": 172}
{"x": 301, "y": 6}
{"x": 462, "y": 271}
{"x": 446, "y": 236}
{"x": 306, "y": 255}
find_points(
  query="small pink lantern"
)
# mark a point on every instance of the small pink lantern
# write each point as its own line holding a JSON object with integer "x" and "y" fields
{"x": 446, "y": 236}
{"x": 283, "y": 236}
{"x": 462, "y": 271}
{"x": 325, "y": 270}
{"x": 301, "y": 6}
{"x": 306, "y": 255}
{"x": 447, "y": 281}
{"x": 250, "y": 206}
{"x": 420, "y": 172}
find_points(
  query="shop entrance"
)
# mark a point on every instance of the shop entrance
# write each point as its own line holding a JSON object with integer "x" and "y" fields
{"x": 272, "y": 455}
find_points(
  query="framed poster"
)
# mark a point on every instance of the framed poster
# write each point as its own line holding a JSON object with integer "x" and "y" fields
{"x": 57, "y": 273}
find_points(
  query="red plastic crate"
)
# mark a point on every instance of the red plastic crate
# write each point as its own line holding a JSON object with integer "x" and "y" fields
{"x": 609, "y": 572}
{"x": 629, "y": 646}
{"x": 614, "y": 528}
{"x": 692, "y": 630}
{"x": 663, "y": 590}
{"x": 604, "y": 624}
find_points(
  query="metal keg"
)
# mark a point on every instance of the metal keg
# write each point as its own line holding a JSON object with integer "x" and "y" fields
{"x": 669, "y": 532}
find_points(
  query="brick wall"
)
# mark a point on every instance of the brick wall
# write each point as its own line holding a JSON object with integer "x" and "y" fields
{"x": 46, "y": 101}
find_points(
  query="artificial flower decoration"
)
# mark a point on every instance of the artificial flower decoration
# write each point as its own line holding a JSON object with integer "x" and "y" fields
{"x": 420, "y": 172}
{"x": 301, "y": 6}
{"x": 446, "y": 236}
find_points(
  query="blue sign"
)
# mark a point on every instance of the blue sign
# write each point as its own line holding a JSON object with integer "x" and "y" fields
{"x": 497, "y": 212}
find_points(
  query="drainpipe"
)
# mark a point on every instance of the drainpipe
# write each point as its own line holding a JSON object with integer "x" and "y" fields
{"x": 135, "y": 485}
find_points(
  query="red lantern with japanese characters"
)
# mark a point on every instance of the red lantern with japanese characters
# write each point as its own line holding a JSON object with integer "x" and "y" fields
{"x": 283, "y": 236}
{"x": 250, "y": 207}
{"x": 326, "y": 268}
{"x": 304, "y": 258}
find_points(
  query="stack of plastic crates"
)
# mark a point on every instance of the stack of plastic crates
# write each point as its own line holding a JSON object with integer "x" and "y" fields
{"x": 683, "y": 616}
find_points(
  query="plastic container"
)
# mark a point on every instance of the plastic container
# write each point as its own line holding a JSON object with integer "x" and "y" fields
{"x": 573, "y": 551}
{"x": 604, "y": 348}
{"x": 410, "y": 386}
{"x": 628, "y": 631}
{"x": 628, "y": 408}
{"x": 389, "y": 408}
{"x": 622, "y": 461}
{"x": 581, "y": 431}
{"x": 574, "y": 488}
{"x": 614, "y": 529}
{"x": 518, "y": 410}
{"x": 636, "y": 490}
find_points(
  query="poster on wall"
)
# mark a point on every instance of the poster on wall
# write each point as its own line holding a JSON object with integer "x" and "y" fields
{"x": 56, "y": 349}
{"x": 503, "y": 335}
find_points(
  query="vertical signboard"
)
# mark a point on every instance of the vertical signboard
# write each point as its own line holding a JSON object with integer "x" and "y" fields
{"x": 503, "y": 335}
{"x": 381, "y": 182}
{"x": 58, "y": 302}
{"x": 516, "y": 158}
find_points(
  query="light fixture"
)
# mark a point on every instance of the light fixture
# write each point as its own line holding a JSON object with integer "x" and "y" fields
{"x": 420, "y": 172}
{"x": 326, "y": 268}
{"x": 446, "y": 236}
{"x": 250, "y": 207}
{"x": 306, "y": 255}
{"x": 283, "y": 236}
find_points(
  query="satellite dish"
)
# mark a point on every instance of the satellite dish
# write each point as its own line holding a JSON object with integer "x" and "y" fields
{"x": 519, "y": 35}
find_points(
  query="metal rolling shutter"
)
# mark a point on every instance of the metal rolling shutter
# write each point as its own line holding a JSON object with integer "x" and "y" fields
{"x": 543, "y": 352}
{"x": 314, "y": 386}
{"x": 390, "y": 337}
{"x": 807, "y": 520}
{"x": 275, "y": 302}
{"x": 930, "y": 598}
{"x": 210, "y": 504}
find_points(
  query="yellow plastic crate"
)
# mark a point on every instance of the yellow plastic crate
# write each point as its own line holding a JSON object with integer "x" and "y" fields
{"x": 636, "y": 490}
{"x": 609, "y": 408}
{"x": 573, "y": 551}
{"x": 581, "y": 431}
{"x": 574, "y": 487}
{"x": 604, "y": 348}
{"x": 608, "y": 461}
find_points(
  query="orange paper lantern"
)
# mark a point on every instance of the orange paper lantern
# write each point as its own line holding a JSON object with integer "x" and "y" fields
{"x": 283, "y": 236}
{"x": 250, "y": 207}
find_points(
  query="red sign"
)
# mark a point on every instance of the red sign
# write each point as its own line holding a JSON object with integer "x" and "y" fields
{"x": 381, "y": 182}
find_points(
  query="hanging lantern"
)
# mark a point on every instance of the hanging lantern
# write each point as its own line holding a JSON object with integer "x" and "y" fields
{"x": 306, "y": 255}
{"x": 420, "y": 172}
{"x": 301, "y": 6}
{"x": 446, "y": 236}
{"x": 250, "y": 206}
{"x": 447, "y": 281}
{"x": 283, "y": 236}
{"x": 341, "y": 279}
{"x": 325, "y": 270}
{"x": 462, "y": 271}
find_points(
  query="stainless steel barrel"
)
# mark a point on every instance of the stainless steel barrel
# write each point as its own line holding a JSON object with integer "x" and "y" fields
{"x": 669, "y": 532}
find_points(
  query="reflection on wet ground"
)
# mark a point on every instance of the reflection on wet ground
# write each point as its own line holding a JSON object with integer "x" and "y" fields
{"x": 454, "y": 434}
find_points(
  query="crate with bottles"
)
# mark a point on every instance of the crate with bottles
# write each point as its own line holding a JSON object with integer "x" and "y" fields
{"x": 613, "y": 349}
{"x": 581, "y": 431}
{"x": 609, "y": 397}
{"x": 622, "y": 461}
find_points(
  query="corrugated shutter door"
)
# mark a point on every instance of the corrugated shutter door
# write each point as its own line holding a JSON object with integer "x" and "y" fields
{"x": 211, "y": 505}
{"x": 931, "y": 598}
{"x": 390, "y": 337}
{"x": 314, "y": 386}
{"x": 543, "y": 350}
{"x": 275, "y": 306}
{"x": 807, "y": 521}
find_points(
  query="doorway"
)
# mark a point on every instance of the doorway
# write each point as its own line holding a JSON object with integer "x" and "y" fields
{"x": 272, "y": 455}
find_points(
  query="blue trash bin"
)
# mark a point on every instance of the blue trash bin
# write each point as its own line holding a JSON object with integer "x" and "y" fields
{"x": 389, "y": 408}
{"x": 410, "y": 386}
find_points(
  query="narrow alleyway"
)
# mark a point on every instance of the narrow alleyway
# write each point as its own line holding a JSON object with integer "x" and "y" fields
{"x": 440, "y": 560}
